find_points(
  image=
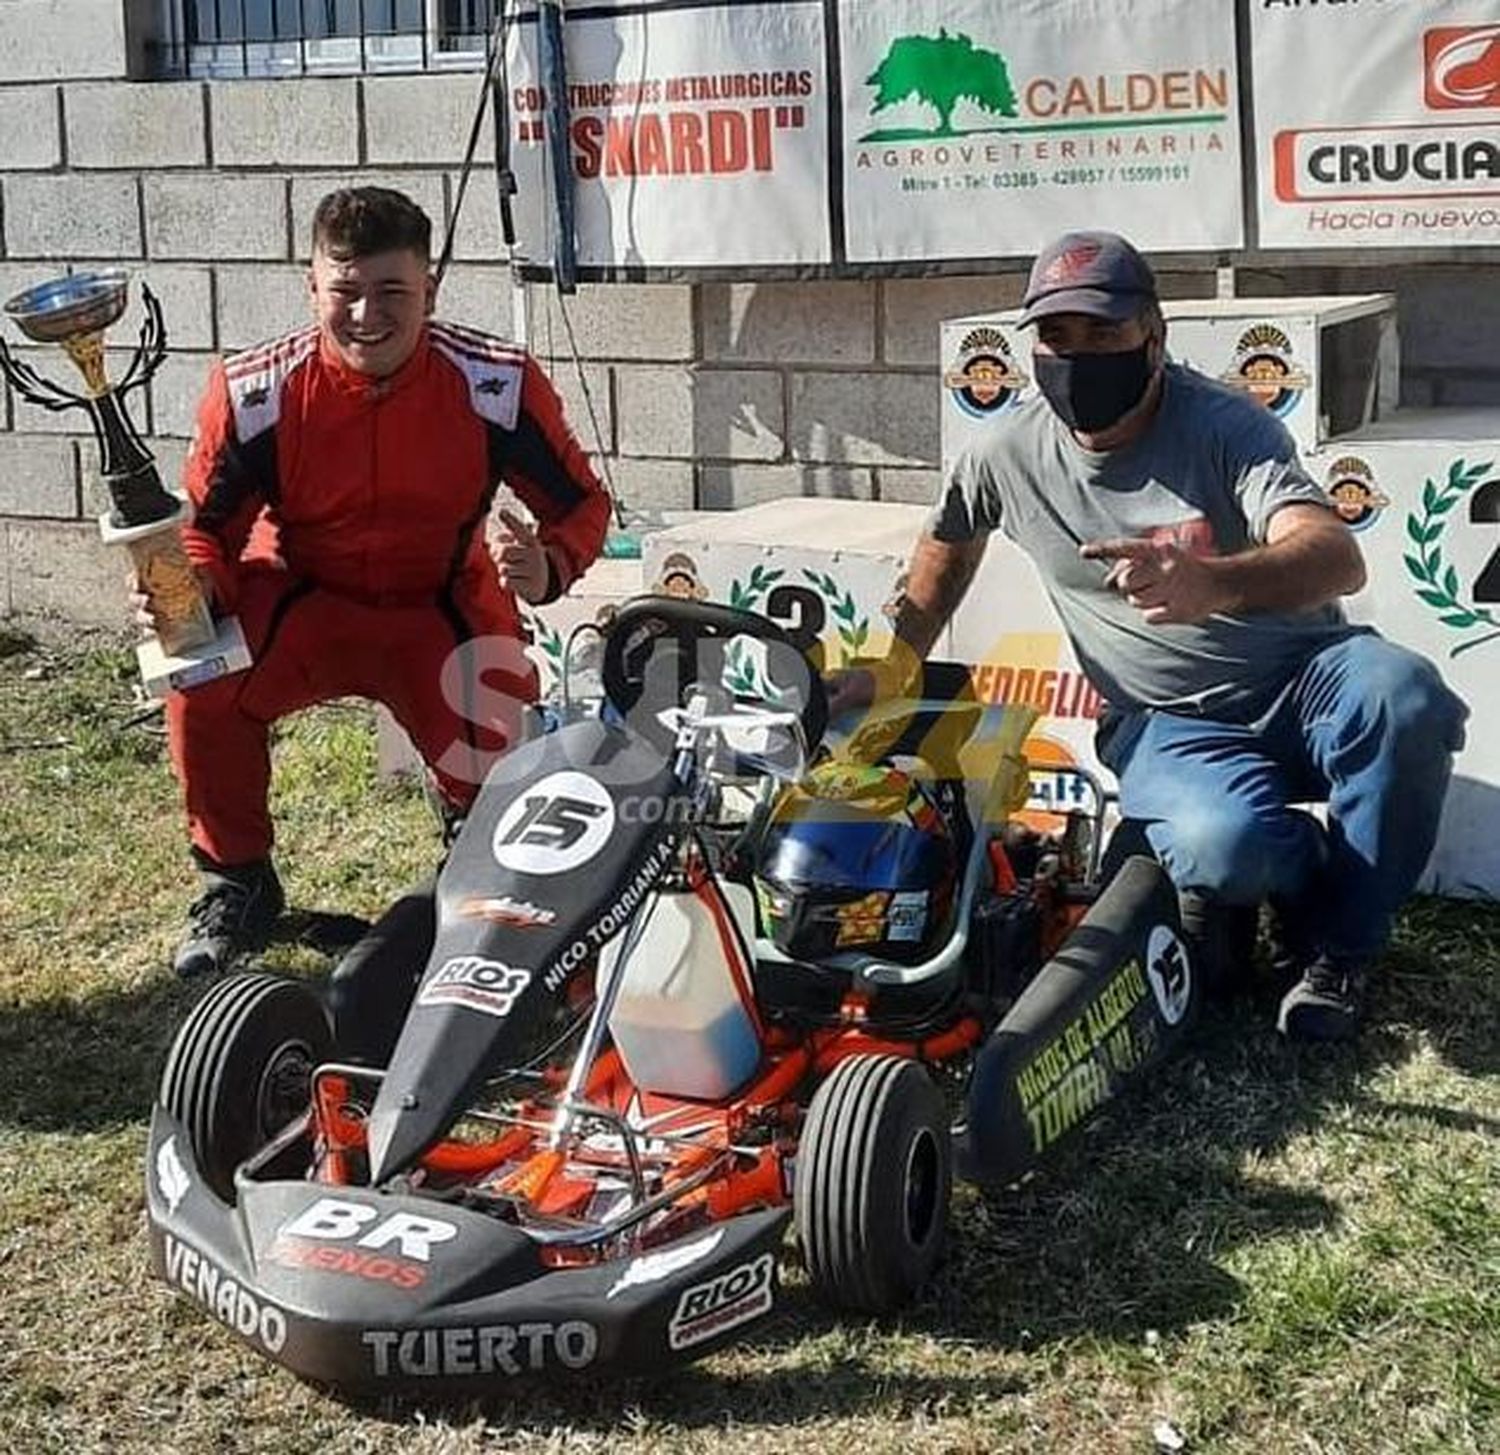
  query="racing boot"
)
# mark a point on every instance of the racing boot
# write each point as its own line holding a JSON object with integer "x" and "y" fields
{"x": 1326, "y": 1004}
{"x": 233, "y": 914}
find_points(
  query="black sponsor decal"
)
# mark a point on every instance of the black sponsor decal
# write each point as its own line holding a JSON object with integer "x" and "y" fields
{"x": 479, "y": 984}
{"x": 488, "y": 1349}
{"x": 1077, "y": 1069}
{"x": 337, "y": 1220}
{"x": 502, "y": 909}
{"x": 613, "y": 919}
{"x": 223, "y": 1296}
{"x": 722, "y": 1302}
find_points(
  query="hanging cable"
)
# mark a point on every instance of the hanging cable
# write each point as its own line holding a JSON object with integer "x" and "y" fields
{"x": 494, "y": 65}
{"x": 556, "y": 186}
{"x": 552, "y": 62}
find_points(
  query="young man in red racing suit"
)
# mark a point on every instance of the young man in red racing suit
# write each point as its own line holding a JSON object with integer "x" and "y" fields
{"x": 340, "y": 483}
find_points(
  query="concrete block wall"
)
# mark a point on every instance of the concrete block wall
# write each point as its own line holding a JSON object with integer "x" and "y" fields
{"x": 723, "y": 395}
{"x": 205, "y": 193}
{"x": 710, "y": 395}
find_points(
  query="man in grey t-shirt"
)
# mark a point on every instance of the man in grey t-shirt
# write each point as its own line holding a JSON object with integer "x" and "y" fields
{"x": 1197, "y": 568}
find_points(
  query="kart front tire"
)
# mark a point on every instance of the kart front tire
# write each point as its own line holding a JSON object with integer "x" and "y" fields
{"x": 874, "y": 1176}
{"x": 240, "y": 1069}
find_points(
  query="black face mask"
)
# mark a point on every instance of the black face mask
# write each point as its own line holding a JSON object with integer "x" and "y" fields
{"x": 1090, "y": 392}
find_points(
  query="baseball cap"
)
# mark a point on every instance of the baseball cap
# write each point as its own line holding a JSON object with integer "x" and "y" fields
{"x": 1088, "y": 272}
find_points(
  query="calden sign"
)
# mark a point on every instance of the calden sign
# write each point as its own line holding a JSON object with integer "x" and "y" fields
{"x": 974, "y": 130}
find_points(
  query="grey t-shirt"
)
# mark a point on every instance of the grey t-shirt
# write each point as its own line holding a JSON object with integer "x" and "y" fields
{"x": 1209, "y": 473}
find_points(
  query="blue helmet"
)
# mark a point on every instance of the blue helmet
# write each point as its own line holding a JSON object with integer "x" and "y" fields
{"x": 856, "y": 858}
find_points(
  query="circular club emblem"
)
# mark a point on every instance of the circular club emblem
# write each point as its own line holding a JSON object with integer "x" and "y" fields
{"x": 984, "y": 379}
{"x": 1354, "y": 494}
{"x": 1265, "y": 369}
{"x": 555, "y": 825}
{"x": 1169, "y": 973}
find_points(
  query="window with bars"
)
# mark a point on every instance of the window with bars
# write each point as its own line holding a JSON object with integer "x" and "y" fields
{"x": 225, "y": 38}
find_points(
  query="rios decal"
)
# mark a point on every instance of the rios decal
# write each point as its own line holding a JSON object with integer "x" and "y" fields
{"x": 233, "y": 1305}
{"x": 723, "y": 1302}
{"x": 477, "y": 984}
{"x": 488, "y": 1349}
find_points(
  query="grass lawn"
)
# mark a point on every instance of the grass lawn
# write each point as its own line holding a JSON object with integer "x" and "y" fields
{"x": 1276, "y": 1249}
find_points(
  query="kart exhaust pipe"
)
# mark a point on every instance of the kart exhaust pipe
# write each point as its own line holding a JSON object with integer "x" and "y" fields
{"x": 1109, "y": 1007}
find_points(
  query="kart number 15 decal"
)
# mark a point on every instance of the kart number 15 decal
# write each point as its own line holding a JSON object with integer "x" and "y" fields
{"x": 557, "y": 825}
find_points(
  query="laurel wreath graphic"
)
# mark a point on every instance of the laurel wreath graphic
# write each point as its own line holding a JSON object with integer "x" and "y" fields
{"x": 747, "y": 596}
{"x": 1440, "y": 585}
{"x": 548, "y": 640}
{"x": 853, "y": 629}
{"x": 741, "y": 675}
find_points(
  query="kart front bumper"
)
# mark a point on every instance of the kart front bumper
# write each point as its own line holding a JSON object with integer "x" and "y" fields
{"x": 368, "y": 1290}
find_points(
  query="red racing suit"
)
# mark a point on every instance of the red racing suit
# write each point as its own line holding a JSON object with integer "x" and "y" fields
{"x": 343, "y": 519}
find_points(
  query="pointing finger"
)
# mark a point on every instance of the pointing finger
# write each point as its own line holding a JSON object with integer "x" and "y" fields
{"x": 1118, "y": 548}
{"x": 516, "y": 525}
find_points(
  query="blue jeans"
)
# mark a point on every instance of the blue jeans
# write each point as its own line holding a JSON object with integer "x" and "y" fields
{"x": 1366, "y": 725}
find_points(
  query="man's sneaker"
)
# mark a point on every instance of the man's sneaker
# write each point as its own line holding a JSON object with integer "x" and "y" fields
{"x": 1325, "y": 1004}
{"x": 233, "y": 914}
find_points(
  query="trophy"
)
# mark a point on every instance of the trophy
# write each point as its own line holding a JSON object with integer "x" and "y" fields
{"x": 189, "y": 646}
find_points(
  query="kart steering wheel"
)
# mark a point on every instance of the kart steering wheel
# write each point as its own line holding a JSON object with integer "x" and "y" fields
{"x": 655, "y": 652}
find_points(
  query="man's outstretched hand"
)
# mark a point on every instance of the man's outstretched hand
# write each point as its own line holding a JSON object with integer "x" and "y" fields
{"x": 1161, "y": 580}
{"x": 522, "y": 559}
{"x": 850, "y": 689}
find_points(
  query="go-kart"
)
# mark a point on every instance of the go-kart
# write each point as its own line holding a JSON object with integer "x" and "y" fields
{"x": 610, "y": 1092}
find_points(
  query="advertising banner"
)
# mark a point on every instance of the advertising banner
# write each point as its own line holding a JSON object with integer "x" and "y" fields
{"x": 1377, "y": 124}
{"x": 697, "y": 137}
{"x": 823, "y": 570}
{"x": 977, "y": 130}
{"x": 1422, "y": 492}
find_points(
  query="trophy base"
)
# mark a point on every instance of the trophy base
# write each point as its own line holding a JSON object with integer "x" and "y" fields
{"x": 193, "y": 666}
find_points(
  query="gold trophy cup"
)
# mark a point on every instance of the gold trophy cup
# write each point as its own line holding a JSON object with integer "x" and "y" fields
{"x": 189, "y": 646}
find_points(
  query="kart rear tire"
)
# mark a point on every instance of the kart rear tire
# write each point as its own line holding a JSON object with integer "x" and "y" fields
{"x": 874, "y": 1176}
{"x": 240, "y": 1069}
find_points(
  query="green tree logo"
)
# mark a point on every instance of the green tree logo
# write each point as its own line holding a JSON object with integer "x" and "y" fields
{"x": 940, "y": 70}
